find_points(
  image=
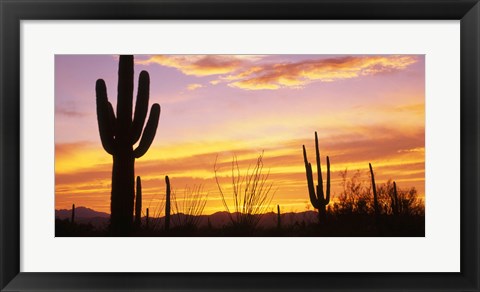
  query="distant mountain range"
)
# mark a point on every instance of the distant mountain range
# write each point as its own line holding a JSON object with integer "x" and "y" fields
{"x": 100, "y": 219}
{"x": 85, "y": 216}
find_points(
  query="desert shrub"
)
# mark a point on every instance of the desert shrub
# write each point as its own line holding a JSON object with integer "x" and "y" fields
{"x": 250, "y": 193}
{"x": 408, "y": 201}
{"x": 357, "y": 198}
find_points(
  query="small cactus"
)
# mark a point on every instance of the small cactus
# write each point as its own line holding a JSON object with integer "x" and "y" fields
{"x": 167, "y": 205}
{"x": 395, "y": 207}
{"x": 138, "y": 203}
{"x": 73, "y": 214}
{"x": 146, "y": 220}
{"x": 279, "y": 222}
{"x": 318, "y": 199}
{"x": 374, "y": 190}
{"x": 376, "y": 206}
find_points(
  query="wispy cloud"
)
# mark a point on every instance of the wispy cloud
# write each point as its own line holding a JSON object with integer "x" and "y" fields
{"x": 298, "y": 74}
{"x": 250, "y": 72}
{"x": 69, "y": 112}
{"x": 201, "y": 65}
{"x": 194, "y": 86}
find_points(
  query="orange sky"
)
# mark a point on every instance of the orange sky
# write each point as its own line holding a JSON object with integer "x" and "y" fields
{"x": 365, "y": 108}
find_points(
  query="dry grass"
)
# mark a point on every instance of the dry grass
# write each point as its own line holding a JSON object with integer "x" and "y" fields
{"x": 156, "y": 208}
{"x": 189, "y": 208}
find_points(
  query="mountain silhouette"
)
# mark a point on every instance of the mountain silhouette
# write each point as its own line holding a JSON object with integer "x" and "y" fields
{"x": 100, "y": 219}
{"x": 80, "y": 212}
{"x": 84, "y": 215}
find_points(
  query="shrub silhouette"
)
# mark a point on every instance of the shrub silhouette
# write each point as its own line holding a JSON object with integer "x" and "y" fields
{"x": 356, "y": 198}
{"x": 251, "y": 195}
{"x": 400, "y": 202}
{"x": 318, "y": 199}
{"x": 118, "y": 135}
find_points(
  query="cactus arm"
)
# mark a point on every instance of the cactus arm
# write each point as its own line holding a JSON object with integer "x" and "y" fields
{"x": 112, "y": 120}
{"x": 125, "y": 94}
{"x": 327, "y": 199}
{"x": 138, "y": 201}
{"x": 311, "y": 187}
{"x": 305, "y": 160}
{"x": 149, "y": 132}
{"x": 319, "y": 169}
{"x": 104, "y": 117}
{"x": 141, "y": 106}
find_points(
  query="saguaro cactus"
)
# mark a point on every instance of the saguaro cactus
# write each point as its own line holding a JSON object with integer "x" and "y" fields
{"x": 146, "y": 220}
{"x": 374, "y": 190}
{"x": 209, "y": 224}
{"x": 73, "y": 214}
{"x": 279, "y": 222}
{"x": 319, "y": 199}
{"x": 118, "y": 135}
{"x": 394, "y": 203}
{"x": 138, "y": 203}
{"x": 167, "y": 204}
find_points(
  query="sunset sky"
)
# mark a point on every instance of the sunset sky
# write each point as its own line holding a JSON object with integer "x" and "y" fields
{"x": 365, "y": 108}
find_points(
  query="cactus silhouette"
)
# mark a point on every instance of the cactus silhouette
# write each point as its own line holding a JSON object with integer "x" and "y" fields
{"x": 138, "y": 203}
{"x": 318, "y": 199}
{"x": 146, "y": 220}
{"x": 376, "y": 208}
{"x": 167, "y": 205}
{"x": 279, "y": 222}
{"x": 119, "y": 133}
{"x": 395, "y": 207}
{"x": 73, "y": 214}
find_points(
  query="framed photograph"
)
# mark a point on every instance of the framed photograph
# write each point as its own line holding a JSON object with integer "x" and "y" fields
{"x": 275, "y": 145}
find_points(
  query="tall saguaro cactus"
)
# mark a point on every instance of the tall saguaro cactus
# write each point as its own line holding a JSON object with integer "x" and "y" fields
{"x": 318, "y": 198}
{"x": 120, "y": 132}
{"x": 138, "y": 203}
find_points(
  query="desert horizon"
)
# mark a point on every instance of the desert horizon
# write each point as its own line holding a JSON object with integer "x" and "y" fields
{"x": 214, "y": 117}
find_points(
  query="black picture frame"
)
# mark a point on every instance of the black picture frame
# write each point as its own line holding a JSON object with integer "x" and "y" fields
{"x": 13, "y": 11}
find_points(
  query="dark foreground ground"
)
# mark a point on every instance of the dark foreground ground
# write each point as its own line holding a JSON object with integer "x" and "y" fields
{"x": 351, "y": 225}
